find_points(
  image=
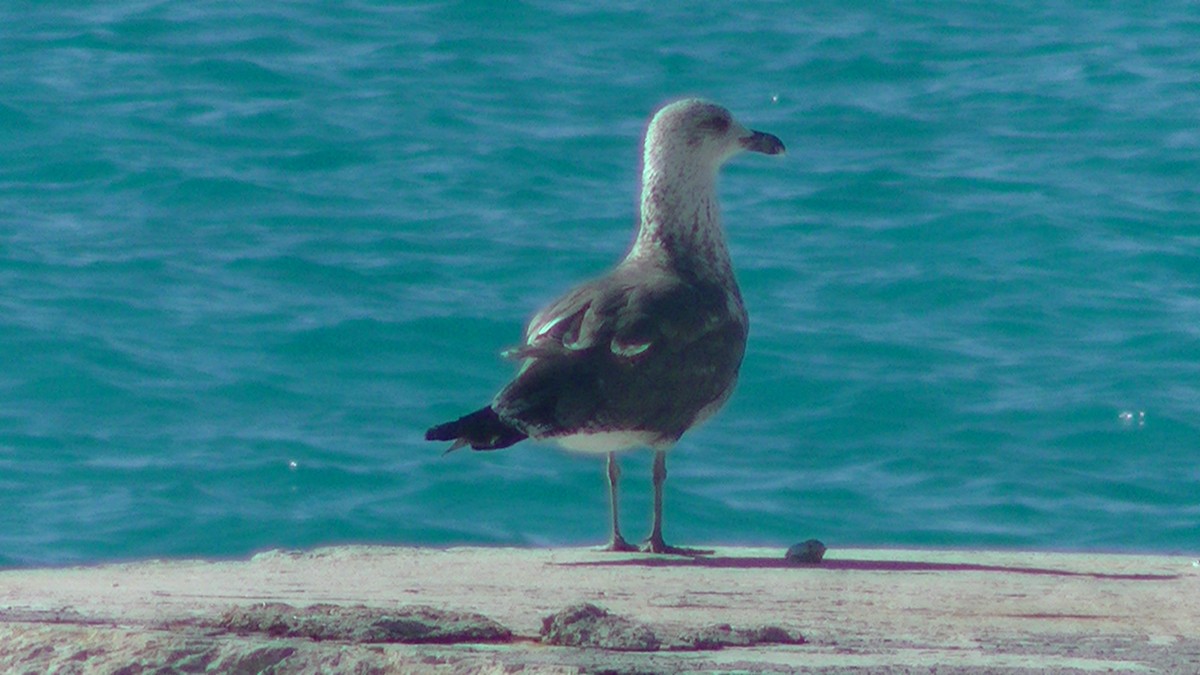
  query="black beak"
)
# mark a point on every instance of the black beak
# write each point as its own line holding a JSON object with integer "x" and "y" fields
{"x": 767, "y": 144}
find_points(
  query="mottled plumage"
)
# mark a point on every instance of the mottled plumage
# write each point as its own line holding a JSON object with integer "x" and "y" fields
{"x": 640, "y": 349}
{"x": 642, "y": 354}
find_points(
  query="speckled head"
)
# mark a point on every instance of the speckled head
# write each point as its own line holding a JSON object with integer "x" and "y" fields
{"x": 703, "y": 132}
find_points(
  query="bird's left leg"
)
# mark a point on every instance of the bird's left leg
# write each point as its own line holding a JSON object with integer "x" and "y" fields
{"x": 655, "y": 543}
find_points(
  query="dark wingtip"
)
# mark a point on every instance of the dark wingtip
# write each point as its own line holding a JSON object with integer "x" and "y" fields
{"x": 447, "y": 432}
{"x": 443, "y": 432}
{"x": 482, "y": 430}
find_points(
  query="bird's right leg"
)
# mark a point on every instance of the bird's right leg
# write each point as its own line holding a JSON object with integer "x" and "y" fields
{"x": 615, "y": 541}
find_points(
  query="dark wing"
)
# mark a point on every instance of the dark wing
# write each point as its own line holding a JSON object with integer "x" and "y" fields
{"x": 627, "y": 352}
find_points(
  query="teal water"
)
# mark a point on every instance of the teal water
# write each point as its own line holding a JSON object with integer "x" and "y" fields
{"x": 248, "y": 253}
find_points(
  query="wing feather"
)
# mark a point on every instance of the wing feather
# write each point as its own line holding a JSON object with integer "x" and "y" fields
{"x": 625, "y": 353}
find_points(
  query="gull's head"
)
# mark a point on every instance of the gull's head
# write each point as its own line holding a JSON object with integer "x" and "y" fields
{"x": 695, "y": 131}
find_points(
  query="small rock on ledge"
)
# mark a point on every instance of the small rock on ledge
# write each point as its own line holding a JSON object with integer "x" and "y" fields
{"x": 806, "y": 553}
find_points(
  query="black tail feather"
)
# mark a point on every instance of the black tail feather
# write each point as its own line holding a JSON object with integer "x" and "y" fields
{"x": 482, "y": 430}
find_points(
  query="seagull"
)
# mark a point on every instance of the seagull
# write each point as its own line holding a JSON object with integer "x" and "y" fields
{"x": 640, "y": 355}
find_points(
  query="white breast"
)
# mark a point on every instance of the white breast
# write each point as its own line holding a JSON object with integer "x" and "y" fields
{"x": 604, "y": 442}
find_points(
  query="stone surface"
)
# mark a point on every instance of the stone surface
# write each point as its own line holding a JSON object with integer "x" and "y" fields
{"x": 877, "y": 611}
{"x": 358, "y": 623}
{"x": 586, "y": 625}
{"x": 720, "y": 636}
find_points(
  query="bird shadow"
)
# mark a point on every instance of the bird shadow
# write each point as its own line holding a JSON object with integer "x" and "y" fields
{"x": 913, "y": 566}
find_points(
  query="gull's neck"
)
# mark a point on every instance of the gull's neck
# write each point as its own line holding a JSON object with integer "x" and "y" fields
{"x": 681, "y": 222}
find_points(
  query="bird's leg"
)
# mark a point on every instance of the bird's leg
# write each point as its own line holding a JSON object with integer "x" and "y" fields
{"x": 655, "y": 543}
{"x": 615, "y": 541}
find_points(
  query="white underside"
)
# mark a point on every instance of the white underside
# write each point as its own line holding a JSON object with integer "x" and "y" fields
{"x": 604, "y": 442}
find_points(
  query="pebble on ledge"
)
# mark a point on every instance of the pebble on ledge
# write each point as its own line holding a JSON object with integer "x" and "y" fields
{"x": 806, "y": 553}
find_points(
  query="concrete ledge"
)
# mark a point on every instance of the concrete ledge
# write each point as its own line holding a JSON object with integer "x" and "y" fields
{"x": 740, "y": 609}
